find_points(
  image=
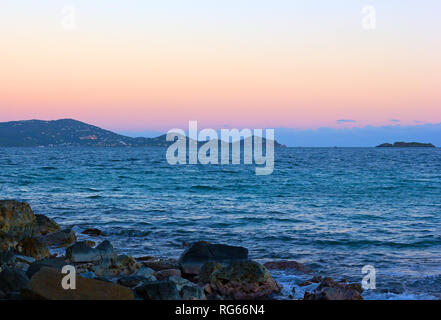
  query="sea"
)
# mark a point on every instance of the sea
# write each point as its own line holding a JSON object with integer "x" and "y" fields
{"x": 334, "y": 209}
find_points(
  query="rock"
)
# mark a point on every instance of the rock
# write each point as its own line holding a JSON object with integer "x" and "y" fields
{"x": 55, "y": 263}
{"x": 33, "y": 247}
{"x": 145, "y": 272}
{"x": 144, "y": 258}
{"x": 207, "y": 270}
{"x": 132, "y": 281}
{"x": 12, "y": 280}
{"x": 81, "y": 252}
{"x": 285, "y": 265}
{"x": 93, "y": 232}
{"x": 244, "y": 280}
{"x": 45, "y": 284}
{"x": 62, "y": 238}
{"x": 17, "y": 222}
{"x": 174, "y": 288}
{"x": 329, "y": 289}
{"x": 106, "y": 250}
{"x": 161, "y": 264}
{"x": 89, "y": 243}
{"x": 46, "y": 225}
{"x": 164, "y": 274}
{"x": 7, "y": 258}
{"x": 200, "y": 252}
{"x": 158, "y": 290}
{"x": 24, "y": 259}
{"x": 125, "y": 264}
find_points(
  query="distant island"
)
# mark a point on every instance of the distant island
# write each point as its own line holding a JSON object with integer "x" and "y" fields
{"x": 70, "y": 132}
{"x": 406, "y": 145}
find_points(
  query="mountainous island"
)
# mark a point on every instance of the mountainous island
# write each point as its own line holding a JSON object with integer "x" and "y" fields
{"x": 70, "y": 132}
{"x": 406, "y": 145}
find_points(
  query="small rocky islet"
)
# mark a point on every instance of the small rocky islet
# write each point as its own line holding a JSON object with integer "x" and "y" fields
{"x": 29, "y": 269}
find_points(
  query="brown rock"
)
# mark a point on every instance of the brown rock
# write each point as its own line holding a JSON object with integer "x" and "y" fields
{"x": 161, "y": 264}
{"x": 164, "y": 274}
{"x": 33, "y": 247}
{"x": 93, "y": 232}
{"x": 329, "y": 289}
{"x": 62, "y": 238}
{"x": 46, "y": 225}
{"x": 46, "y": 284}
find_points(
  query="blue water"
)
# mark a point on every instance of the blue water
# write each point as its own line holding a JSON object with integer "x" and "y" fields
{"x": 334, "y": 209}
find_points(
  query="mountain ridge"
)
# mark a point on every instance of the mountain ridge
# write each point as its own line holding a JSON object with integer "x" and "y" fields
{"x": 71, "y": 132}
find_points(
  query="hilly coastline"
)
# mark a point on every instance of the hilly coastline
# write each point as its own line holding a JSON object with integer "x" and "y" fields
{"x": 70, "y": 132}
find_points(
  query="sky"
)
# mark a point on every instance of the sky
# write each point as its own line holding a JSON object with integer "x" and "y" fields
{"x": 149, "y": 66}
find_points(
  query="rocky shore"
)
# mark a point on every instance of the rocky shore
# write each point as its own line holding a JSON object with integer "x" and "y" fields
{"x": 29, "y": 269}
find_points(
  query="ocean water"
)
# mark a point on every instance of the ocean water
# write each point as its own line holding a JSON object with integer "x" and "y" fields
{"x": 334, "y": 209}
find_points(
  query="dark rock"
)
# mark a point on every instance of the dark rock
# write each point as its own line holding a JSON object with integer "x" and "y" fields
{"x": 329, "y": 289}
{"x": 207, "y": 270}
{"x": 192, "y": 293}
{"x": 46, "y": 225}
{"x": 55, "y": 263}
{"x": 33, "y": 247}
{"x": 244, "y": 280}
{"x": 62, "y": 238}
{"x": 12, "y": 280}
{"x": 406, "y": 145}
{"x": 81, "y": 252}
{"x": 145, "y": 272}
{"x": 161, "y": 264}
{"x": 164, "y": 274}
{"x": 93, "y": 232}
{"x": 17, "y": 222}
{"x": 200, "y": 252}
{"x": 131, "y": 281}
{"x": 45, "y": 284}
{"x": 285, "y": 265}
{"x": 158, "y": 290}
{"x": 106, "y": 249}
{"x": 7, "y": 258}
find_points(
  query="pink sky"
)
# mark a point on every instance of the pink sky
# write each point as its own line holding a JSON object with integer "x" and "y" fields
{"x": 139, "y": 74}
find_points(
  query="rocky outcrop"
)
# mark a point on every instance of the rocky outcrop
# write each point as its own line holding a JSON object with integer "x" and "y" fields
{"x": 82, "y": 252}
{"x": 45, "y": 284}
{"x": 244, "y": 280}
{"x": 62, "y": 238}
{"x": 54, "y": 263}
{"x": 33, "y": 247}
{"x": 12, "y": 280}
{"x": 17, "y": 222}
{"x": 93, "y": 232}
{"x": 200, "y": 252}
{"x": 160, "y": 264}
{"x": 46, "y": 225}
{"x": 329, "y": 289}
{"x": 174, "y": 288}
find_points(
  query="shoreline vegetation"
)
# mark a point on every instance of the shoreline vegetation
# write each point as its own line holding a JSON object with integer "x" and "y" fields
{"x": 204, "y": 271}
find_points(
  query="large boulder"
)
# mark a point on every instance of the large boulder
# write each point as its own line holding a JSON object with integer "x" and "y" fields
{"x": 62, "y": 238}
{"x": 200, "y": 252}
{"x": 81, "y": 252}
{"x": 17, "y": 222}
{"x": 328, "y": 289}
{"x": 244, "y": 280}
{"x": 173, "y": 288}
{"x": 54, "y": 263}
{"x": 106, "y": 250}
{"x": 7, "y": 259}
{"x": 46, "y": 225}
{"x": 12, "y": 280}
{"x": 33, "y": 247}
{"x": 286, "y": 265}
{"x": 46, "y": 284}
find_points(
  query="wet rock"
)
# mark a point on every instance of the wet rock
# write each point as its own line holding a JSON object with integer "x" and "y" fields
{"x": 62, "y": 238}
{"x": 164, "y": 274}
{"x": 81, "y": 252}
{"x": 17, "y": 222}
{"x": 125, "y": 264}
{"x": 45, "y": 284}
{"x": 55, "y": 263}
{"x": 33, "y": 247}
{"x": 286, "y": 265}
{"x": 24, "y": 259}
{"x": 93, "y": 232}
{"x": 106, "y": 250}
{"x": 244, "y": 280}
{"x": 12, "y": 280}
{"x": 145, "y": 272}
{"x": 315, "y": 279}
{"x": 161, "y": 264}
{"x": 200, "y": 252}
{"x": 133, "y": 281}
{"x": 158, "y": 290}
{"x": 7, "y": 258}
{"x": 46, "y": 225}
{"x": 329, "y": 289}
{"x": 207, "y": 270}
